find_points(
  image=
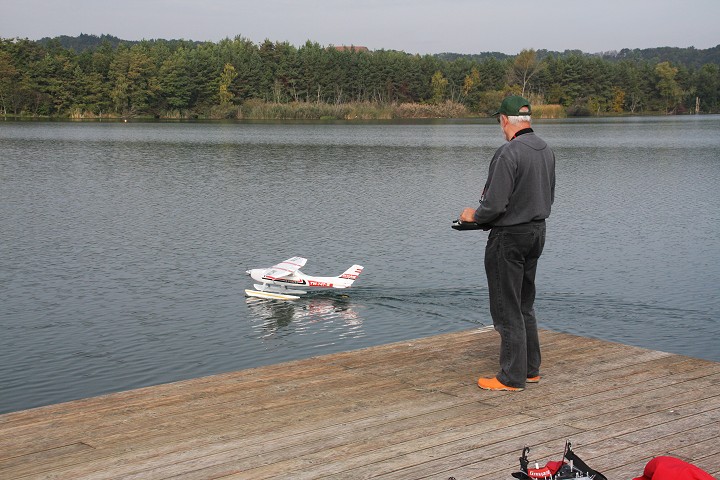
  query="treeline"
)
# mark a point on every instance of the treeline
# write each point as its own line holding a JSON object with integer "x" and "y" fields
{"x": 688, "y": 57}
{"x": 236, "y": 78}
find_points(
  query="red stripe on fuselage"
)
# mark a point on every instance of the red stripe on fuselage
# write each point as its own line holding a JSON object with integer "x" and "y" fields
{"x": 284, "y": 280}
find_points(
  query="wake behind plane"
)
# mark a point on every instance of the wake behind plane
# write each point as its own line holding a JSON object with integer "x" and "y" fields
{"x": 285, "y": 281}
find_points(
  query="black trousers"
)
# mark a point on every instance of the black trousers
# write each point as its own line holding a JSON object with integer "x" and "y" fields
{"x": 511, "y": 258}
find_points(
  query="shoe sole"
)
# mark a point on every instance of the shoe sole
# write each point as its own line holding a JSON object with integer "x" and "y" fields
{"x": 501, "y": 389}
{"x": 493, "y": 384}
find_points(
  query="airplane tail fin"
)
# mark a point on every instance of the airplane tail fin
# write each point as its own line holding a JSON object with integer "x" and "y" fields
{"x": 350, "y": 275}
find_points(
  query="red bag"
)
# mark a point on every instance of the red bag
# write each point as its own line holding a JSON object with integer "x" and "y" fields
{"x": 670, "y": 468}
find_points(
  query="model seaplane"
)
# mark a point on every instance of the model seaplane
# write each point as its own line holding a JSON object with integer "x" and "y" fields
{"x": 282, "y": 281}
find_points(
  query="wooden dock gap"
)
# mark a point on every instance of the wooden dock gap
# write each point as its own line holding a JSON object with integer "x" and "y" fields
{"x": 407, "y": 410}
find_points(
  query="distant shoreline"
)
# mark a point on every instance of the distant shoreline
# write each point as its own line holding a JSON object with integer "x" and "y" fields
{"x": 360, "y": 111}
{"x": 271, "y": 114}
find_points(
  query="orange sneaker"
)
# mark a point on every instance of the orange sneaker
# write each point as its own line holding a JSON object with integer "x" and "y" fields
{"x": 494, "y": 384}
{"x": 535, "y": 379}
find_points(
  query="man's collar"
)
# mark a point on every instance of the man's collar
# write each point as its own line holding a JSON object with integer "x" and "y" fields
{"x": 522, "y": 132}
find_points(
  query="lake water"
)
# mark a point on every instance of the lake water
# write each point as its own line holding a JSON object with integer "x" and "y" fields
{"x": 123, "y": 246}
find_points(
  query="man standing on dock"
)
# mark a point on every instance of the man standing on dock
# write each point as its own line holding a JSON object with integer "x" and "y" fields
{"x": 515, "y": 202}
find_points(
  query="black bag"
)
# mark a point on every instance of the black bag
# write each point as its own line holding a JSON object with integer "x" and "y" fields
{"x": 571, "y": 466}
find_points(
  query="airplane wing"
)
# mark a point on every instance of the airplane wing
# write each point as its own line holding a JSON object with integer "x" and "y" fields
{"x": 286, "y": 268}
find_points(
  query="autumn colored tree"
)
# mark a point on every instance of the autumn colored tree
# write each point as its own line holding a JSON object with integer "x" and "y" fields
{"x": 618, "y": 99}
{"x": 525, "y": 66}
{"x": 228, "y": 75}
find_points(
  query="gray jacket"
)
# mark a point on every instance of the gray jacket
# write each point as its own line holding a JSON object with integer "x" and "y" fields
{"x": 520, "y": 187}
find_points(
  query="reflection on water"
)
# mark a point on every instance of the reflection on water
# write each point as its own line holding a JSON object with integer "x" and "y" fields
{"x": 333, "y": 317}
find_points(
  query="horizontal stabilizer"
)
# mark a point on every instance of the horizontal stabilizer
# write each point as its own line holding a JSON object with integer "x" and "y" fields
{"x": 349, "y": 276}
{"x": 352, "y": 272}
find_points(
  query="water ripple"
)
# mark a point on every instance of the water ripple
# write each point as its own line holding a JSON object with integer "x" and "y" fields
{"x": 123, "y": 246}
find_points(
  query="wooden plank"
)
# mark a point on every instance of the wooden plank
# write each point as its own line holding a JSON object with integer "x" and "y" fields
{"x": 21, "y": 462}
{"x": 111, "y": 451}
{"x": 405, "y": 410}
{"x": 379, "y": 444}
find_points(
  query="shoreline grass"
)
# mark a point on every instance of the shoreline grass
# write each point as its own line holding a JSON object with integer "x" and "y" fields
{"x": 362, "y": 111}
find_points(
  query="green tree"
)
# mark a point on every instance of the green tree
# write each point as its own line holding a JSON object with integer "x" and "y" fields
{"x": 627, "y": 78}
{"x": 96, "y": 64}
{"x": 133, "y": 76}
{"x": 310, "y": 78}
{"x": 8, "y": 78}
{"x": 493, "y": 74}
{"x": 50, "y": 79}
{"x": 205, "y": 64}
{"x": 707, "y": 87}
{"x": 175, "y": 85}
{"x": 245, "y": 57}
{"x": 286, "y": 71}
{"x": 667, "y": 86}
{"x": 120, "y": 92}
{"x": 569, "y": 79}
{"x": 439, "y": 87}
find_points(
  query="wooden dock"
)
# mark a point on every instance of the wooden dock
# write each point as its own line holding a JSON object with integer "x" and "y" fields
{"x": 407, "y": 410}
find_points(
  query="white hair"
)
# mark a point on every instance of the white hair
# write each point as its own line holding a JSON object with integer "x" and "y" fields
{"x": 516, "y": 119}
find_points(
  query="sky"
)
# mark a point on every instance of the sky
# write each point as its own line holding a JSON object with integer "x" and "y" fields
{"x": 412, "y": 26}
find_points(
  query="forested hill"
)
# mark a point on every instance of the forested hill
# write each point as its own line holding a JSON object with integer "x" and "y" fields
{"x": 85, "y": 42}
{"x": 689, "y": 57}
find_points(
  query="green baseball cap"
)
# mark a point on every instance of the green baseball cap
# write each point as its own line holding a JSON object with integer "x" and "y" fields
{"x": 511, "y": 106}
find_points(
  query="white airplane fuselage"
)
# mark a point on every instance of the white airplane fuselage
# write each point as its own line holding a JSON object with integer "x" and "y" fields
{"x": 298, "y": 279}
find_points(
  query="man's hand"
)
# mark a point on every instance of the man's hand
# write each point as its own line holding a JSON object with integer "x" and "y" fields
{"x": 468, "y": 215}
